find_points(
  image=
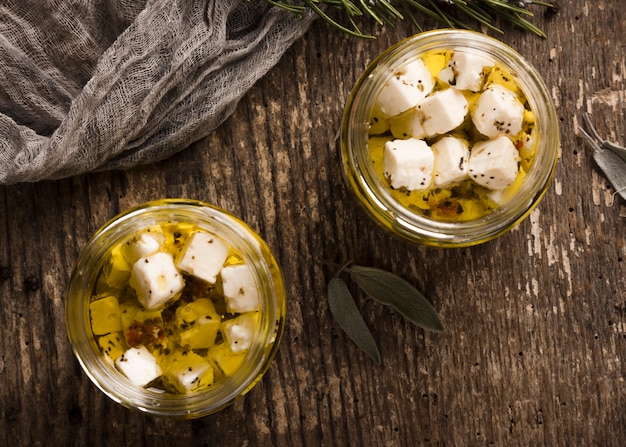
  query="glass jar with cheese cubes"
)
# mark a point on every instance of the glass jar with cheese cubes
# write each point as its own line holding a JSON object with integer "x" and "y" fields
{"x": 449, "y": 138}
{"x": 175, "y": 308}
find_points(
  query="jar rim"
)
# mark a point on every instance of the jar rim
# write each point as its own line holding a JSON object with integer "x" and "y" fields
{"x": 370, "y": 188}
{"x": 234, "y": 232}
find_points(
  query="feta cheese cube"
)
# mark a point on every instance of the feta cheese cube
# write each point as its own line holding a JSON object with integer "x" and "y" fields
{"x": 378, "y": 123}
{"x": 147, "y": 243}
{"x": 409, "y": 124}
{"x": 223, "y": 359}
{"x": 240, "y": 290}
{"x": 203, "y": 256}
{"x": 494, "y": 164}
{"x": 156, "y": 280}
{"x": 408, "y": 163}
{"x": 112, "y": 345}
{"x": 443, "y": 111}
{"x": 139, "y": 366}
{"x": 198, "y": 324}
{"x": 497, "y": 196}
{"x": 175, "y": 234}
{"x": 186, "y": 371}
{"x": 405, "y": 89}
{"x": 105, "y": 315}
{"x": 498, "y": 112}
{"x": 501, "y": 196}
{"x": 117, "y": 269}
{"x": 239, "y": 332}
{"x": 465, "y": 71}
{"x": 451, "y": 158}
{"x": 133, "y": 312}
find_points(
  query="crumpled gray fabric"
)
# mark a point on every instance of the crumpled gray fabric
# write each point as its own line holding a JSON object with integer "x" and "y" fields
{"x": 88, "y": 85}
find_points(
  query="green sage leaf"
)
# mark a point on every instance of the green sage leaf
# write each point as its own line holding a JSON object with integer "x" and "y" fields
{"x": 614, "y": 169}
{"x": 346, "y": 313}
{"x": 615, "y": 148}
{"x": 610, "y": 157}
{"x": 388, "y": 288}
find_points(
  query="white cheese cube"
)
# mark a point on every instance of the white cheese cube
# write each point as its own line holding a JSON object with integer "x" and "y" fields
{"x": 186, "y": 371}
{"x": 139, "y": 365}
{"x": 117, "y": 270}
{"x": 105, "y": 315}
{"x": 451, "y": 158}
{"x": 240, "y": 290}
{"x": 197, "y": 324}
{"x": 443, "y": 111}
{"x": 239, "y": 332}
{"x": 497, "y": 196}
{"x": 145, "y": 244}
{"x": 465, "y": 71}
{"x": 408, "y": 163}
{"x": 498, "y": 112}
{"x": 408, "y": 125}
{"x": 494, "y": 164}
{"x": 378, "y": 123}
{"x": 203, "y": 256}
{"x": 405, "y": 89}
{"x": 156, "y": 280}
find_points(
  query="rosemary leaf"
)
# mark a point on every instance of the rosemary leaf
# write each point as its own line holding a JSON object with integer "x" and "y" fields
{"x": 341, "y": 13}
{"x": 388, "y": 288}
{"x": 347, "y": 315}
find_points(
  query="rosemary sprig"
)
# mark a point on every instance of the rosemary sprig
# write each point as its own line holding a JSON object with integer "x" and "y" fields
{"x": 483, "y": 12}
{"x": 385, "y": 288}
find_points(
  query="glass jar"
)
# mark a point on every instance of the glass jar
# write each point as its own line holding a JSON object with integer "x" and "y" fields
{"x": 373, "y": 192}
{"x": 239, "y": 237}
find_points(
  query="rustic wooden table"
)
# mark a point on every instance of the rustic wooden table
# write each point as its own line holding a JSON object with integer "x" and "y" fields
{"x": 535, "y": 344}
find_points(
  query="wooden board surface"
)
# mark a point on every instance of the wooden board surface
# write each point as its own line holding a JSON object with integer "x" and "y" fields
{"x": 535, "y": 345}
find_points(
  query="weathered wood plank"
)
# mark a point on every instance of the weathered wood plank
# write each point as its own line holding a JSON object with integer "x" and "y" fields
{"x": 536, "y": 320}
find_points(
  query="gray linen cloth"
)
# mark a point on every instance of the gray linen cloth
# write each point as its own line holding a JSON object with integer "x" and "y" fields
{"x": 88, "y": 85}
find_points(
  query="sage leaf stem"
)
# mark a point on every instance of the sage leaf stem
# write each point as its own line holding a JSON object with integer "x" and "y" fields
{"x": 610, "y": 157}
{"x": 390, "y": 289}
{"x": 347, "y": 315}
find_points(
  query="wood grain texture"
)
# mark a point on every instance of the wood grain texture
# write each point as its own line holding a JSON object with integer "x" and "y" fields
{"x": 535, "y": 346}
